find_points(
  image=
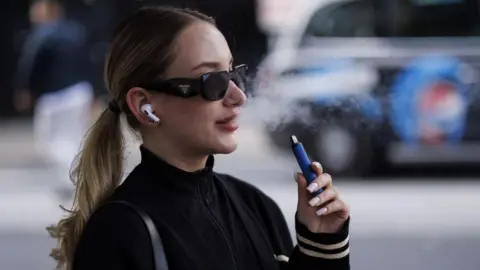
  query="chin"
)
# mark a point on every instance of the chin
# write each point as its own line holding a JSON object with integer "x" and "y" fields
{"x": 226, "y": 147}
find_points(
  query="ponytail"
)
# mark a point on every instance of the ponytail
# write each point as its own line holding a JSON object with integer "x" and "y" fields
{"x": 97, "y": 171}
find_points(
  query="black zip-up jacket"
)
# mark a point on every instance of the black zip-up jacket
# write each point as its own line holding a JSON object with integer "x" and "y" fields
{"x": 200, "y": 226}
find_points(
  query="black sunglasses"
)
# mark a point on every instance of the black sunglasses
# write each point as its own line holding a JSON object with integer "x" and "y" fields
{"x": 211, "y": 86}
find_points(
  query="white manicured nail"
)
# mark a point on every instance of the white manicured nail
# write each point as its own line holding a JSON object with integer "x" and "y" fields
{"x": 321, "y": 211}
{"x": 312, "y": 187}
{"x": 314, "y": 202}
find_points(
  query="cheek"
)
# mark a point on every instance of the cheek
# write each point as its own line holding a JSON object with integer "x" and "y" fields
{"x": 193, "y": 117}
{"x": 203, "y": 117}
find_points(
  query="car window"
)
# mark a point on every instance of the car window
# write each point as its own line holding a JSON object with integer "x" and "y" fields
{"x": 396, "y": 18}
{"x": 442, "y": 18}
{"x": 343, "y": 19}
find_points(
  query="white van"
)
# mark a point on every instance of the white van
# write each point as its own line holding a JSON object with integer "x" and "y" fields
{"x": 408, "y": 70}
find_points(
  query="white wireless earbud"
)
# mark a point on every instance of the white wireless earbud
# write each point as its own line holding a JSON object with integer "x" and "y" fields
{"x": 148, "y": 111}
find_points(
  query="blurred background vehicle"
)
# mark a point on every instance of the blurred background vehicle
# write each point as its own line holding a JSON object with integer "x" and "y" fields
{"x": 323, "y": 54}
{"x": 387, "y": 82}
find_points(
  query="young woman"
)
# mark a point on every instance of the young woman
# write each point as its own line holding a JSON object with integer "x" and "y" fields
{"x": 170, "y": 72}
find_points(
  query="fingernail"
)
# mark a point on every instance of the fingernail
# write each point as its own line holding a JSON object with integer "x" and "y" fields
{"x": 321, "y": 211}
{"x": 316, "y": 164}
{"x": 312, "y": 187}
{"x": 295, "y": 176}
{"x": 314, "y": 202}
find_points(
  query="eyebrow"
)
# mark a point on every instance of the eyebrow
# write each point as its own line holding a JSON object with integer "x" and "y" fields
{"x": 212, "y": 65}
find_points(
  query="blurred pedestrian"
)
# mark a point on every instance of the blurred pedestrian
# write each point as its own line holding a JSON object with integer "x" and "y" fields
{"x": 52, "y": 80}
{"x": 54, "y": 55}
{"x": 170, "y": 72}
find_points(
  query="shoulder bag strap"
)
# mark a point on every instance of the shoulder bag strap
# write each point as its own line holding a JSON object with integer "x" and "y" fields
{"x": 160, "y": 259}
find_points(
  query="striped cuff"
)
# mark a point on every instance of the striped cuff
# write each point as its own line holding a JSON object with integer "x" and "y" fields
{"x": 323, "y": 245}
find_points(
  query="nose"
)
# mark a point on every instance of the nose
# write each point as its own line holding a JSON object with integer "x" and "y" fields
{"x": 234, "y": 97}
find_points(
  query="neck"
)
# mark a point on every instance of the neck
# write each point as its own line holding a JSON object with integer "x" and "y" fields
{"x": 175, "y": 157}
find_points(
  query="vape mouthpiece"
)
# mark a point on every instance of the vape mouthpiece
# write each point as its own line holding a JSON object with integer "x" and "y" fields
{"x": 294, "y": 139}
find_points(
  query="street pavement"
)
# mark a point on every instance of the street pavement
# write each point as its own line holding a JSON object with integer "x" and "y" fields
{"x": 396, "y": 225}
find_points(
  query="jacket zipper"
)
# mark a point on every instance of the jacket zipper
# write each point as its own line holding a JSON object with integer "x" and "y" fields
{"x": 219, "y": 227}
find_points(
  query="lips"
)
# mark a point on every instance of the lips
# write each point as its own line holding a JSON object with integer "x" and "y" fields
{"x": 228, "y": 124}
{"x": 227, "y": 119}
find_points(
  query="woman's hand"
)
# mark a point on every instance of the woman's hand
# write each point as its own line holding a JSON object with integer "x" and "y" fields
{"x": 325, "y": 213}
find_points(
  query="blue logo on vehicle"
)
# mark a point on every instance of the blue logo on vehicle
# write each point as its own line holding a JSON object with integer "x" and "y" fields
{"x": 429, "y": 101}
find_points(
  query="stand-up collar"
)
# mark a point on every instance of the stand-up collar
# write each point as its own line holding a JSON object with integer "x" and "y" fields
{"x": 171, "y": 178}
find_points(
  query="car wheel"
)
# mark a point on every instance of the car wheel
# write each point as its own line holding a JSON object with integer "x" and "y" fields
{"x": 342, "y": 152}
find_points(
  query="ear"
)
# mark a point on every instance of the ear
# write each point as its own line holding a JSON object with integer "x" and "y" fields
{"x": 136, "y": 97}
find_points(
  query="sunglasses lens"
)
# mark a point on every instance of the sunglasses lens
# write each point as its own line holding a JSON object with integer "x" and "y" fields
{"x": 239, "y": 77}
{"x": 215, "y": 85}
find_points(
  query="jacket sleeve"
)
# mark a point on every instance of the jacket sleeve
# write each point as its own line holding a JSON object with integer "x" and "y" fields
{"x": 314, "y": 251}
{"x": 320, "y": 251}
{"x": 114, "y": 238}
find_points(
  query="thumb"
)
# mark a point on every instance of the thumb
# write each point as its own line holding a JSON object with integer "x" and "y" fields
{"x": 301, "y": 181}
{"x": 302, "y": 187}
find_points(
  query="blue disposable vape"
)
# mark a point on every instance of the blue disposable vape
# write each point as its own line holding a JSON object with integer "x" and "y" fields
{"x": 304, "y": 162}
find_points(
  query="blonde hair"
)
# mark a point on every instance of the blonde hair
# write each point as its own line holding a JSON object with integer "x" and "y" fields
{"x": 139, "y": 52}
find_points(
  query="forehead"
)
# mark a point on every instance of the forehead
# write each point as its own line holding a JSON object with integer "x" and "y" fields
{"x": 200, "y": 48}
